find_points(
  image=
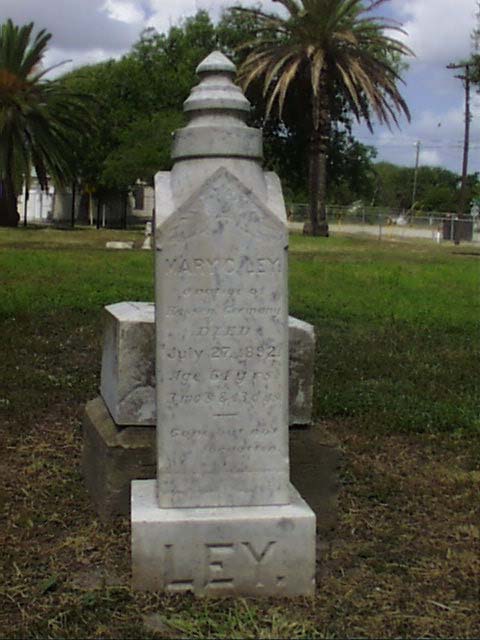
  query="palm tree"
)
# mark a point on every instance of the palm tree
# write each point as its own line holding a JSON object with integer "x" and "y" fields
{"x": 37, "y": 118}
{"x": 340, "y": 53}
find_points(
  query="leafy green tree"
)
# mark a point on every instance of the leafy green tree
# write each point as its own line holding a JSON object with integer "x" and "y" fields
{"x": 350, "y": 170}
{"x": 170, "y": 60}
{"x": 139, "y": 104}
{"x": 394, "y": 185}
{"x": 118, "y": 87}
{"x": 329, "y": 50}
{"x": 39, "y": 119}
{"x": 437, "y": 188}
{"x": 144, "y": 148}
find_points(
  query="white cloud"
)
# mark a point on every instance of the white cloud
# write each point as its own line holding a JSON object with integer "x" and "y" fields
{"x": 439, "y": 33}
{"x": 438, "y": 30}
{"x": 429, "y": 157}
{"x": 440, "y": 134}
{"x": 75, "y": 25}
{"x": 165, "y": 14}
{"x": 124, "y": 11}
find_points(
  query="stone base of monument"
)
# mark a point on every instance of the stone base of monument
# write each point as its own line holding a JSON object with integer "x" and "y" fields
{"x": 113, "y": 456}
{"x": 220, "y": 551}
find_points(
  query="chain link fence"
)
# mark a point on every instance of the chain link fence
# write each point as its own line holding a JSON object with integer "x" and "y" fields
{"x": 382, "y": 221}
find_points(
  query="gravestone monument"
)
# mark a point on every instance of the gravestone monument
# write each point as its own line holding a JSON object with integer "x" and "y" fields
{"x": 147, "y": 242}
{"x": 119, "y": 425}
{"x": 222, "y": 517}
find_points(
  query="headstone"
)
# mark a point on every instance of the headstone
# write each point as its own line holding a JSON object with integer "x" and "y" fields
{"x": 127, "y": 382}
{"x": 301, "y": 367}
{"x": 118, "y": 244}
{"x": 222, "y": 517}
{"x": 147, "y": 243}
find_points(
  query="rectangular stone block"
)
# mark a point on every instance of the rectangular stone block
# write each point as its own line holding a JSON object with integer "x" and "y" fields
{"x": 112, "y": 457}
{"x": 301, "y": 368}
{"x": 127, "y": 382}
{"x": 222, "y": 551}
{"x": 222, "y": 350}
{"x": 128, "y": 365}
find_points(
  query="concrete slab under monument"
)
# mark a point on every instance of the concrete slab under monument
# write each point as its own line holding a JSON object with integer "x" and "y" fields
{"x": 221, "y": 551}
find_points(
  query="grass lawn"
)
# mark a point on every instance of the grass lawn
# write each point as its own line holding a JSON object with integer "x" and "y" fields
{"x": 396, "y": 385}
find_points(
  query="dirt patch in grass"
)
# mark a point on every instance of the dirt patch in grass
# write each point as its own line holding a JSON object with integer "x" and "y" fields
{"x": 404, "y": 558}
{"x": 403, "y": 562}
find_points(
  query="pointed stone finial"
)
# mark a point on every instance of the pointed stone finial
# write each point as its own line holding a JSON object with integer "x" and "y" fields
{"x": 217, "y": 109}
{"x": 216, "y": 62}
{"x": 216, "y": 89}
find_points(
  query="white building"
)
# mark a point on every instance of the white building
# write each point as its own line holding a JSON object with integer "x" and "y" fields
{"x": 55, "y": 206}
{"x": 39, "y": 203}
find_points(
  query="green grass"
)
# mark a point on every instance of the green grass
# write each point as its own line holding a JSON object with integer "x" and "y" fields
{"x": 395, "y": 388}
{"x": 397, "y": 326}
{"x": 397, "y": 323}
{"x": 47, "y": 271}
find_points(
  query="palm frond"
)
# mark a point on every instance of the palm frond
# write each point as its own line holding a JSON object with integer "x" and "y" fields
{"x": 39, "y": 119}
{"x": 281, "y": 87}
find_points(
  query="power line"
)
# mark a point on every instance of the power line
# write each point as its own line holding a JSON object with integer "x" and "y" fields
{"x": 399, "y": 145}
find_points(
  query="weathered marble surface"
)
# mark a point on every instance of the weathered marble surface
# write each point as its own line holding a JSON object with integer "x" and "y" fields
{"x": 118, "y": 244}
{"x": 222, "y": 551}
{"x": 222, "y": 350}
{"x": 222, "y": 517}
{"x": 114, "y": 456}
{"x": 301, "y": 340}
{"x": 129, "y": 390}
{"x": 221, "y": 304}
{"x": 127, "y": 380}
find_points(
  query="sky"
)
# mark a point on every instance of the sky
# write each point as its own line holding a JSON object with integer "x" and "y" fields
{"x": 87, "y": 31}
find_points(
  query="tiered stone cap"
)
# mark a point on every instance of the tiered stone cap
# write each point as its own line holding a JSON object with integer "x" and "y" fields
{"x": 217, "y": 109}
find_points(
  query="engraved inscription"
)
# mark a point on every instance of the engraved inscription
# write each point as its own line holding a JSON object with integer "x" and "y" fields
{"x": 221, "y": 331}
{"x": 221, "y": 562}
{"x": 172, "y": 583}
{"x": 259, "y": 556}
{"x": 201, "y": 266}
{"x": 177, "y": 311}
{"x": 215, "y": 572}
{"x": 222, "y": 356}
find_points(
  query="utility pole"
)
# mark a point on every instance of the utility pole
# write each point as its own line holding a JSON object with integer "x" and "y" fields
{"x": 466, "y": 83}
{"x": 415, "y": 175}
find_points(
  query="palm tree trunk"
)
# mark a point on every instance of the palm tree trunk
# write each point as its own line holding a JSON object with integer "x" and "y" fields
{"x": 9, "y": 216}
{"x": 318, "y": 164}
